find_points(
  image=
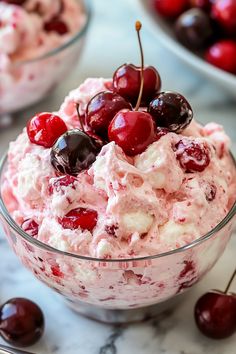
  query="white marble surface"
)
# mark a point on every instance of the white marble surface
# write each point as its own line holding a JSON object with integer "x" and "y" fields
{"x": 111, "y": 42}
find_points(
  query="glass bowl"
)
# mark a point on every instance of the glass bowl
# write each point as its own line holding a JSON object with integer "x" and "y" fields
{"x": 27, "y": 82}
{"x": 118, "y": 290}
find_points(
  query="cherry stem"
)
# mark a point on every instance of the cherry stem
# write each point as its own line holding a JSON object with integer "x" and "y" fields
{"x": 138, "y": 27}
{"x": 80, "y": 118}
{"x": 230, "y": 282}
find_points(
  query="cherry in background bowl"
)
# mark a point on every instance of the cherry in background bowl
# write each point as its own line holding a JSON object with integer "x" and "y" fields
{"x": 164, "y": 34}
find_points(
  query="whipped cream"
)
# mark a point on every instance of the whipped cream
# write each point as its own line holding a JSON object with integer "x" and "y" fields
{"x": 146, "y": 204}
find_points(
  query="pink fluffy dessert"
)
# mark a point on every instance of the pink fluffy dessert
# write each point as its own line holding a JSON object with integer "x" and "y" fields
{"x": 146, "y": 204}
{"x": 28, "y": 30}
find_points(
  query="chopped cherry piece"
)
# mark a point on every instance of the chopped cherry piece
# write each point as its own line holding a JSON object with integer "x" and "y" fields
{"x": 170, "y": 8}
{"x": 193, "y": 157}
{"x": 189, "y": 268}
{"x": 30, "y": 227}
{"x": 224, "y": 12}
{"x": 45, "y": 128}
{"x": 111, "y": 229}
{"x": 56, "y": 25}
{"x": 133, "y": 131}
{"x": 127, "y": 79}
{"x": 102, "y": 108}
{"x": 63, "y": 181}
{"x": 21, "y": 322}
{"x": 74, "y": 152}
{"x": 56, "y": 271}
{"x": 210, "y": 192}
{"x": 223, "y": 55}
{"x": 215, "y": 314}
{"x": 83, "y": 218}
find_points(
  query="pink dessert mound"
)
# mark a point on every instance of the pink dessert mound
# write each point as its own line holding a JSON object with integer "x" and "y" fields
{"x": 30, "y": 33}
{"x": 122, "y": 205}
{"x": 31, "y": 28}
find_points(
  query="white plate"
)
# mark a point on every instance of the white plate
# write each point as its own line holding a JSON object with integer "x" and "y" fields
{"x": 165, "y": 35}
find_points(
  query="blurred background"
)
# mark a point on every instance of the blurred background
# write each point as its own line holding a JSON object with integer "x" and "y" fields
{"x": 111, "y": 41}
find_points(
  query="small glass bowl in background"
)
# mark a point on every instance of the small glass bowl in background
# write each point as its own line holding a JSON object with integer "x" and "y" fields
{"x": 118, "y": 290}
{"x": 27, "y": 82}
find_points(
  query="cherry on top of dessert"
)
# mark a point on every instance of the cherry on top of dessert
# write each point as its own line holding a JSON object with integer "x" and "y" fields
{"x": 171, "y": 110}
{"x": 73, "y": 152}
{"x": 126, "y": 82}
{"x": 21, "y": 322}
{"x": 102, "y": 108}
{"x": 45, "y": 128}
{"x": 133, "y": 130}
{"x": 215, "y": 313}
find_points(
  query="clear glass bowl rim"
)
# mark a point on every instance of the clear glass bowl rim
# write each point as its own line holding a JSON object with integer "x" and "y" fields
{"x": 45, "y": 247}
{"x": 71, "y": 41}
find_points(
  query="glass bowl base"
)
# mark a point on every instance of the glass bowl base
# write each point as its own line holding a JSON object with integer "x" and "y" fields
{"x": 125, "y": 316}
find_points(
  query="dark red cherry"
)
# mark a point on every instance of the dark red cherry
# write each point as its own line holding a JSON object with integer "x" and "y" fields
{"x": 194, "y": 29}
{"x": 170, "y": 8}
{"x": 30, "y": 227}
{"x": 56, "y": 25}
{"x": 171, "y": 110}
{"x": 223, "y": 55}
{"x": 83, "y": 218}
{"x": 73, "y": 152}
{"x": 126, "y": 82}
{"x": 192, "y": 156}
{"x": 21, "y": 322}
{"x": 45, "y": 128}
{"x": 102, "y": 108}
{"x": 215, "y": 314}
{"x": 59, "y": 184}
{"x": 133, "y": 131}
{"x": 224, "y": 12}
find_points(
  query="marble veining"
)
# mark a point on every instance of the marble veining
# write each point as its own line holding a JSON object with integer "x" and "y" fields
{"x": 112, "y": 41}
